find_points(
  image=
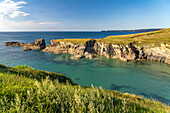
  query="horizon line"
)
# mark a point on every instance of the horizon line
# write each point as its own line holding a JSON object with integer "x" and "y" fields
{"x": 81, "y": 30}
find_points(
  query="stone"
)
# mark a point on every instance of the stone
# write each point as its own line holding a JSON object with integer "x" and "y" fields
{"x": 77, "y": 57}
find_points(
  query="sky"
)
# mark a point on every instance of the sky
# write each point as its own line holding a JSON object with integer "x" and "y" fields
{"x": 83, "y": 15}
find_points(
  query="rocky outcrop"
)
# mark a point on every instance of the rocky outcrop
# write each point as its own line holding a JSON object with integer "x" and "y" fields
{"x": 157, "y": 54}
{"x": 123, "y": 52}
{"x": 92, "y": 48}
{"x": 78, "y": 50}
{"x": 14, "y": 44}
{"x": 66, "y": 48}
{"x": 37, "y": 45}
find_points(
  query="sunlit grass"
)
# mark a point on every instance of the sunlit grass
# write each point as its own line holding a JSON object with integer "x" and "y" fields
{"x": 154, "y": 38}
{"x": 19, "y": 93}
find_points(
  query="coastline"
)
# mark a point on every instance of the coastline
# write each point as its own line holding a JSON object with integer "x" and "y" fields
{"x": 153, "y": 46}
{"x": 89, "y": 48}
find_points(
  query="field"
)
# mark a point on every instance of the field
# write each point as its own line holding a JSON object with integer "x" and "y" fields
{"x": 24, "y": 89}
{"x": 152, "y": 39}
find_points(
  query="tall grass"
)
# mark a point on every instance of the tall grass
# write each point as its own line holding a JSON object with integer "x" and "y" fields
{"x": 20, "y": 94}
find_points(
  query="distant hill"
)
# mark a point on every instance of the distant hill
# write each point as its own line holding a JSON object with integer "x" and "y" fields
{"x": 137, "y": 30}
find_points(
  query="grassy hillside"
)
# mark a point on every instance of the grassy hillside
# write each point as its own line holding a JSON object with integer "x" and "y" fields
{"x": 31, "y": 73}
{"x": 154, "y": 38}
{"x": 24, "y": 89}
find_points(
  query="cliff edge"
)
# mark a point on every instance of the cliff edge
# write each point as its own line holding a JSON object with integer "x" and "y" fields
{"x": 142, "y": 46}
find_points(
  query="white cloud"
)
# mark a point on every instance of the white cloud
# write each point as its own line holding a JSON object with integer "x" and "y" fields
{"x": 10, "y": 25}
{"x": 17, "y": 13}
{"x": 49, "y": 23}
{"x": 9, "y": 8}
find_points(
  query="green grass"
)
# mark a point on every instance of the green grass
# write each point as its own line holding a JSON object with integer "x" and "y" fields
{"x": 152, "y": 39}
{"x": 34, "y": 74}
{"x": 20, "y": 94}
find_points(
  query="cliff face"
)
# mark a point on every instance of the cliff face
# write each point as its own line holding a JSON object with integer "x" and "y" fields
{"x": 124, "y": 52}
{"x": 92, "y": 48}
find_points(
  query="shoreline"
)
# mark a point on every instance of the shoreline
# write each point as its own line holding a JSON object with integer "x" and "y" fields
{"x": 124, "y": 47}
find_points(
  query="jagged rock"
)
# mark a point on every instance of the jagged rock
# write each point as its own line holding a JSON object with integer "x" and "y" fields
{"x": 157, "y": 54}
{"x": 65, "y": 48}
{"x": 41, "y": 43}
{"x": 93, "y": 48}
{"x": 14, "y": 44}
{"x": 89, "y": 47}
{"x": 37, "y": 45}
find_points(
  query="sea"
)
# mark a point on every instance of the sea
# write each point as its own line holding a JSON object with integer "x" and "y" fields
{"x": 145, "y": 78}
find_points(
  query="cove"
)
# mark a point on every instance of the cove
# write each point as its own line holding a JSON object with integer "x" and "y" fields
{"x": 150, "y": 79}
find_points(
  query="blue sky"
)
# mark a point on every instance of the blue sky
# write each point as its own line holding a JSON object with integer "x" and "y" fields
{"x": 83, "y": 15}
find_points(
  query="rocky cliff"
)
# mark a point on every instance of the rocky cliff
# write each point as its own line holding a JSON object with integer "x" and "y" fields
{"x": 93, "y": 47}
{"x": 123, "y": 52}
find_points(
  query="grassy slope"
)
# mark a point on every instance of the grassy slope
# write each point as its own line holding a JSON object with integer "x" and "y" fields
{"x": 20, "y": 92}
{"x": 34, "y": 74}
{"x": 154, "y": 38}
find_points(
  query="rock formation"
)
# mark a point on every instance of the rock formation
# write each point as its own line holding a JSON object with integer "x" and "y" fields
{"x": 14, "y": 44}
{"x": 92, "y": 48}
{"x": 37, "y": 45}
{"x": 123, "y": 52}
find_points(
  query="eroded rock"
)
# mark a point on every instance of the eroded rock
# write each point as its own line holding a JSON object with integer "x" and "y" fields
{"x": 92, "y": 48}
{"x": 37, "y": 45}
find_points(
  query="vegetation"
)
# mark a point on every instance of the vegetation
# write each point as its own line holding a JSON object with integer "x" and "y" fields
{"x": 34, "y": 74}
{"x": 75, "y": 41}
{"x": 154, "y": 38}
{"x": 24, "y": 93}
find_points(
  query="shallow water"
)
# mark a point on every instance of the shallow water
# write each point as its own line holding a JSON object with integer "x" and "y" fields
{"x": 150, "y": 79}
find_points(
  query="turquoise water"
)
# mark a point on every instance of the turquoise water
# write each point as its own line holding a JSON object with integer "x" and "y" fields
{"x": 150, "y": 79}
